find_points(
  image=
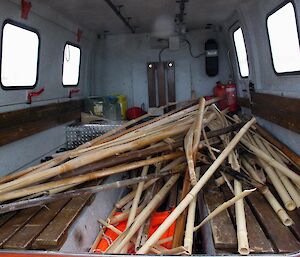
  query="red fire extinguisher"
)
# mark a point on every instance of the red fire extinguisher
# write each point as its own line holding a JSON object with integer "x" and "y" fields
{"x": 220, "y": 91}
{"x": 231, "y": 96}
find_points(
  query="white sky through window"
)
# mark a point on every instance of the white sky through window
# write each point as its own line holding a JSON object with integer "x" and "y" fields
{"x": 284, "y": 39}
{"x": 240, "y": 46}
{"x": 19, "y": 61}
{"x": 71, "y": 65}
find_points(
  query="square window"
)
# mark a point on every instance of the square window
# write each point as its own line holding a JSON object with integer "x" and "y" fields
{"x": 71, "y": 66}
{"x": 284, "y": 39}
{"x": 19, "y": 57}
{"x": 241, "y": 52}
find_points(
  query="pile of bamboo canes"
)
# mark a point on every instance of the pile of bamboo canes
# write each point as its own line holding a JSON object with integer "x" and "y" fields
{"x": 170, "y": 159}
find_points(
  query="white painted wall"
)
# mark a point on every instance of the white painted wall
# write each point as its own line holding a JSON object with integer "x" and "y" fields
{"x": 251, "y": 16}
{"x": 121, "y": 66}
{"x": 54, "y": 31}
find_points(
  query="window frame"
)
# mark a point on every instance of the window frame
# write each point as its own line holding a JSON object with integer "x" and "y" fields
{"x": 31, "y": 29}
{"x": 235, "y": 27}
{"x": 287, "y": 73}
{"x": 63, "y": 60}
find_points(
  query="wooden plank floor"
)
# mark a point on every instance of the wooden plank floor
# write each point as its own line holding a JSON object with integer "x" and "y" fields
{"x": 56, "y": 232}
{"x": 266, "y": 233}
{"x": 223, "y": 231}
{"x": 13, "y": 225}
{"x": 24, "y": 238}
{"x": 280, "y": 235}
{"x": 43, "y": 228}
{"x": 258, "y": 241}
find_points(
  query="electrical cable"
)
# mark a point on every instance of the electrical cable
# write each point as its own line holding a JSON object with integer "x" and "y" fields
{"x": 160, "y": 53}
{"x": 190, "y": 50}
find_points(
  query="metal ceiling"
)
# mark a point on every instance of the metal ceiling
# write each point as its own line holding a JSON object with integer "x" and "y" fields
{"x": 148, "y": 15}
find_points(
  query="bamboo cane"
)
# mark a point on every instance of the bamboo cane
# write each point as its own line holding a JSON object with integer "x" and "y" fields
{"x": 84, "y": 178}
{"x": 181, "y": 221}
{"x": 133, "y": 137}
{"x": 213, "y": 156}
{"x": 89, "y": 158}
{"x": 141, "y": 235}
{"x": 100, "y": 235}
{"x": 124, "y": 215}
{"x": 242, "y": 234}
{"x": 221, "y": 181}
{"x": 188, "y": 199}
{"x": 286, "y": 182}
{"x": 173, "y": 164}
{"x": 176, "y": 251}
{"x": 155, "y": 122}
{"x": 27, "y": 203}
{"x": 136, "y": 137}
{"x": 18, "y": 174}
{"x": 128, "y": 157}
{"x": 129, "y": 197}
{"x": 137, "y": 198}
{"x": 281, "y": 213}
{"x": 112, "y": 132}
{"x": 279, "y": 186}
{"x": 133, "y": 240}
{"x": 269, "y": 160}
{"x": 223, "y": 207}
{"x": 188, "y": 146}
{"x": 281, "y": 190}
{"x": 144, "y": 229}
{"x": 66, "y": 155}
{"x": 189, "y": 233}
{"x": 136, "y": 201}
{"x": 198, "y": 125}
{"x": 117, "y": 231}
{"x": 140, "y": 219}
{"x": 279, "y": 145}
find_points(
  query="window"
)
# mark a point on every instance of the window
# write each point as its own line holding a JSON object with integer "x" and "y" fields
{"x": 71, "y": 66}
{"x": 284, "y": 40}
{"x": 19, "y": 57}
{"x": 241, "y": 52}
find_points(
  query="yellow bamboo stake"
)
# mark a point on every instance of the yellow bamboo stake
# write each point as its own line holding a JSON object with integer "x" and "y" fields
{"x": 142, "y": 217}
{"x": 269, "y": 160}
{"x": 193, "y": 193}
{"x": 84, "y": 178}
{"x": 223, "y": 207}
{"x": 281, "y": 213}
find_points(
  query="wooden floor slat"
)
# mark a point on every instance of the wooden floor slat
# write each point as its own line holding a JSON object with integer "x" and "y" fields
{"x": 222, "y": 228}
{"x": 280, "y": 235}
{"x": 25, "y": 236}
{"x": 14, "y": 225}
{"x": 205, "y": 232}
{"x": 296, "y": 226}
{"x": 55, "y": 233}
{"x": 6, "y": 217}
{"x": 258, "y": 241}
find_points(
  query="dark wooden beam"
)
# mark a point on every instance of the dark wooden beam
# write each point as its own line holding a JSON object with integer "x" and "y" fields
{"x": 161, "y": 84}
{"x": 19, "y": 124}
{"x": 171, "y": 82}
{"x": 151, "y": 84}
{"x": 283, "y": 111}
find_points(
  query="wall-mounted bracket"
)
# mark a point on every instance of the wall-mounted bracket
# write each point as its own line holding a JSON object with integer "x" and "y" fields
{"x": 30, "y": 95}
{"x": 73, "y": 91}
{"x": 25, "y": 9}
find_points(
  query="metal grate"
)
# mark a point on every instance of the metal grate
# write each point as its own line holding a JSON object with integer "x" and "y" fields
{"x": 80, "y": 134}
